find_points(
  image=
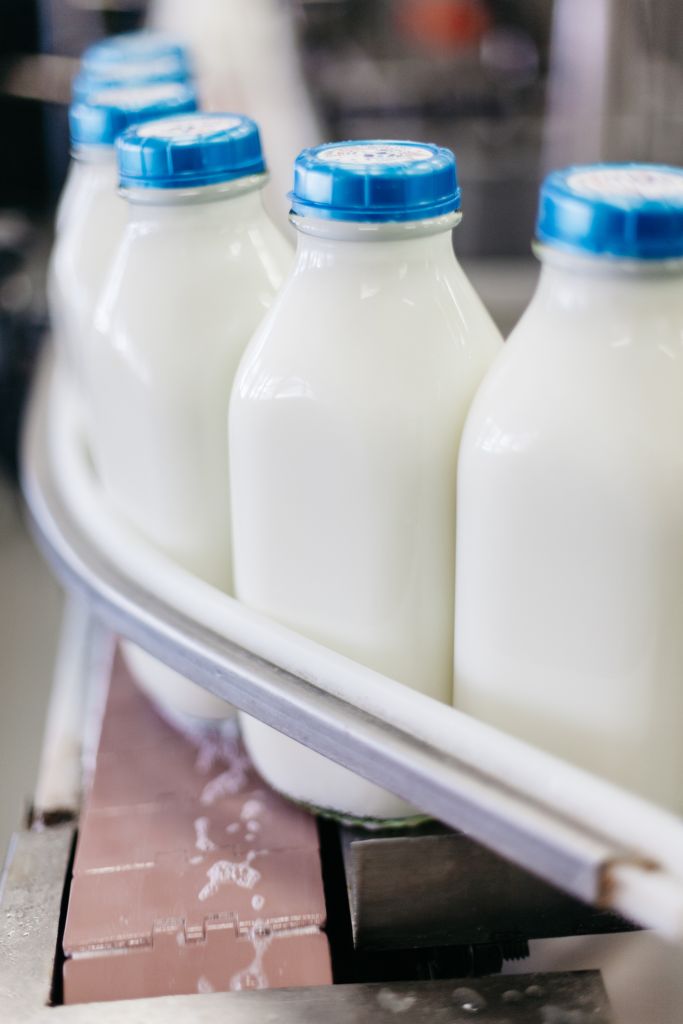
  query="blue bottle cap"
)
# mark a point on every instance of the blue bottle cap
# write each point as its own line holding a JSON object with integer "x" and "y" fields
{"x": 102, "y": 59}
{"x": 628, "y": 211}
{"x": 134, "y": 58}
{"x": 187, "y": 152}
{"x": 375, "y": 180}
{"x": 101, "y": 119}
{"x": 162, "y": 69}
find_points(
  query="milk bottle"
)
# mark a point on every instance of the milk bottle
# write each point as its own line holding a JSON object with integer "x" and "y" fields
{"x": 195, "y": 271}
{"x": 569, "y": 602}
{"x": 94, "y": 216}
{"x": 345, "y": 423}
{"x": 130, "y": 59}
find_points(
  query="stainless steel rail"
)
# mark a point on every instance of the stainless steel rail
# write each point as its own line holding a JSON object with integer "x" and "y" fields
{"x": 536, "y": 837}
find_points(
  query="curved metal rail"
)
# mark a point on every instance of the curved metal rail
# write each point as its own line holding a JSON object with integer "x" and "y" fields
{"x": 541, "y": 838}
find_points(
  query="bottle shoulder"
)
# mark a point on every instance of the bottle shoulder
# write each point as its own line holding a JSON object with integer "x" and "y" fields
{"x": 364, "y": 361}
{"x": 610, "y": 395}
{"x": 382, "y": 305}
{"x": 225, "y": 256}
{"x": 96, "y": 223}
{"x": 195, "y": 272}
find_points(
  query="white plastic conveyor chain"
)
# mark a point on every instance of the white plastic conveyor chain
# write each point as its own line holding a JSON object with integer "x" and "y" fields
{"x": 573, "y": 829}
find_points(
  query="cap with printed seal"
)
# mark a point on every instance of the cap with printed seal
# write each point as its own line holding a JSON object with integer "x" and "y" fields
{"x": 627, "y": 211}
{"x": 104, "y": 58}
{"x": 187, "y": 152}
{"x": 104, "y": 115}
{"x": 375, "y": 180}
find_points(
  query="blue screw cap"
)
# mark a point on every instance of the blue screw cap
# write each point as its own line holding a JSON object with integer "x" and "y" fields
{"x": 375, "y": 180}
{"x": 190, "y": 151}
{"x": 104, "y": 115}
{"x": 129, "y": 76}
{"x": 133, "y": 58}
{"x": 102, "y": 59}
{"x": 627, "y": 211}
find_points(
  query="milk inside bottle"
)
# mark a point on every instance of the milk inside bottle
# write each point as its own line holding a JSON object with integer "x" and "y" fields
{"x": 569, "y": 599}
{"x": 194, "y": 272}
{"x": 345, "y": 423}
{"x": 95, "y": 216}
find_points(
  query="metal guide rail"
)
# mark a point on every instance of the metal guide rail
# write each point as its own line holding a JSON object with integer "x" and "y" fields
{"x": 634, "y": 867}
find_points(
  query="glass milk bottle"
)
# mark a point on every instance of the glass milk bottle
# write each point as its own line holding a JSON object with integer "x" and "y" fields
{"x": 345, "y": 422}
{"x": 194, "y": 272}
{"x": 569, "y": 602}
{"x": 93, "y": 216}
{"x": 129, "y": 59}
{"x": 160, "y": 67}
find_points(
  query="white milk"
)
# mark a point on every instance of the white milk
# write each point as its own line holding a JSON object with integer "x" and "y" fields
{"x": 86, "y": 167}
{"x": 91, "y": 216}
{"x": 194, "y": 272}
{"x": 569, "y": 602}
{"x": 345, "y": 422}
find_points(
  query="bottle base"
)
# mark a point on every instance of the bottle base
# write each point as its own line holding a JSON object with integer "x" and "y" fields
{"x": 354, "y": 821}
{"x": 323, "y": 786}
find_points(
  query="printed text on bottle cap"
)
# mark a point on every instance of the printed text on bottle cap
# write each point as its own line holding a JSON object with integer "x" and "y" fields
{"x": 627, "y": 183}
{"x": 187, "y": 128}
{"x": 375, "y": 154}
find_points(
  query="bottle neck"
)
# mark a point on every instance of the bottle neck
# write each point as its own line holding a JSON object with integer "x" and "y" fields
{"x": 574, "y": 283}
{"x": 356, "y": 245}
{"x": 237, "y": 200}
{"x": 94, "y": 155}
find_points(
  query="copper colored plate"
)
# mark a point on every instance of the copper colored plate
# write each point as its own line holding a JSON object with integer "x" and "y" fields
{"x": 257, "y": 819}
{"x": 125, "y": 908}
{"x": 190, "y": 873}
{"x": 220, "y": 963}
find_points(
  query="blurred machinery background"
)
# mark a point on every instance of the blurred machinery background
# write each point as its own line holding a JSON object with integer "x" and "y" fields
{"x": 514, "y": 87}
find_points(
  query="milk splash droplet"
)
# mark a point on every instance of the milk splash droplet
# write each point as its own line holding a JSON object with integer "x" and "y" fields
{"x": 512, "y": 995}
{"x": 202, "y": 840}
{"x": 225, "y": 747}
{"x": 254, "y": 975}
{"x": 227, "y": 872}
{"x": 469, "y": 1000}
{"x": 251, "y": 809}
{"x": 394, "y": 1002}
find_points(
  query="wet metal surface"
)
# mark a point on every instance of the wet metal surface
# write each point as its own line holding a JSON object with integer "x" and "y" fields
{"x": 29, "y": 923}
{"x": 190, "y": 876}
